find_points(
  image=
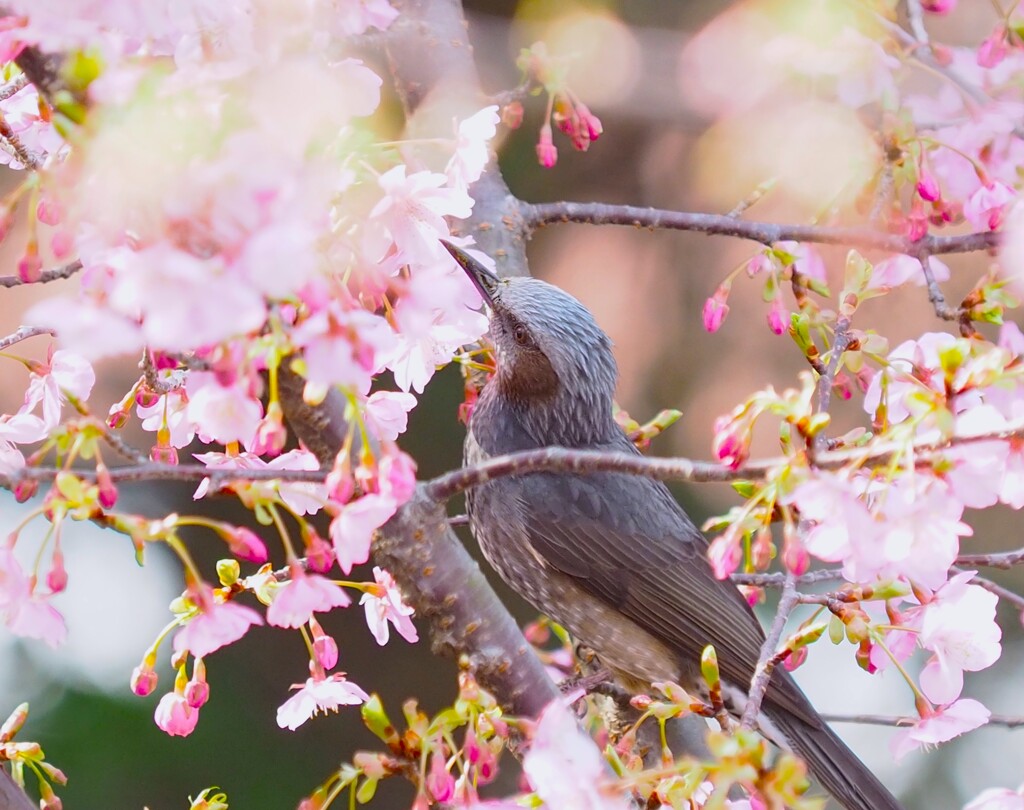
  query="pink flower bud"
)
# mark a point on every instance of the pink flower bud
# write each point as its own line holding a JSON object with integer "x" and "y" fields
{"x": 795, "y": 659}
{"x": 48, "y": 211}
{"x": 144, "y": 680}
{"x": 197, "y": 693}
{"x": 57, "y": 577}
{"x": 62, "y": 243}
{"x": 174, "y": 715}
{"x": 118, "y": 416}
{"x": 590, "y": 122}
{"x": 440, "y": 782}
{"x": 916, "y": 226}
{"x": 340, "y": 483}
{"x": 714, "y": 314}
{"x": 26, "y": 488}
{"x": 107, "y": 490}
{"x": 994, "y": 49}
{"x": 939, "y": 6}
{"x": 927, "y": 185}
{"x": 30, "y": 267}
{"x": 325, "y": 649}
{"x": 547, "y": 154}
{"x": 319, "y": 553}
{"x": 163, "y": 454}
{"x": 759, "y": 264}
{"x": 146, "y": 398}
{"x": 725, "y": 556}
{"x": 271, "y": 434}
{"x": 246, "y": 544}
{"x": 778, "y": 317}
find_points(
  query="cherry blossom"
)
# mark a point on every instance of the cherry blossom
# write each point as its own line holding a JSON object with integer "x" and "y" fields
{"x": 65, "y": 374}
{"x": 943, "y": 725}
{"x": 318, "y": 694}
{"x": 985, "y": 208}
{"x": 220, "y": 413}
{"x": 25, "y": 612}
{"x": 215, "y": 625}
{"x": 902, "y": 269}
{"x": 295, "y": 601}
{"x": 960, "y": 628}
{"x": 912, "y": 365}
{"x": 807, "y": 260}
{"x": 998, "y": 799}
{"x": 413, "y": 210}
{"x": 564, "y": 767}
{"x": 175, "y": 716}
{"x": 353, "y": 528}
{"x": 383, "y": 603}
{"x": 387, "y": 413}
{"x": 21, "y": 428}
{"x": 170, "y": 410}
{"x": 471, "y": 155}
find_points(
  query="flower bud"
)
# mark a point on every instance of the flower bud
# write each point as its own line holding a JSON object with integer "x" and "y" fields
{"x": 512, "y": 114}
{"x": 547, "y": 154}
{"x": 144, "y": 679}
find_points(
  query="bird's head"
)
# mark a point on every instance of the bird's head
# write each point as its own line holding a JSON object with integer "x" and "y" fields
{"x": 550, "y": 353}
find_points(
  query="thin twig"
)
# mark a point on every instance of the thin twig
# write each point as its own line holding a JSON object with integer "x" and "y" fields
{"x": 1000, "y": 559}
{"x": 823, "y": 392}
{"x": 766, "y": 664}
{"x": 767, "y": 233}
{"x": 23, "y": 333}
{"x": 994, "y": 587}
{"x": 153, "y": 381}
{"x": 54, "y": 274}
{"x": 15, "y": 85}
{"x": 915, "y": 17}
{"x": 548, "y": 459}
{"x": 777, "y": 580}
{"x": 889, "y": 720}
{"x": 19, "y": 150}
{"x": 935, "y": 296}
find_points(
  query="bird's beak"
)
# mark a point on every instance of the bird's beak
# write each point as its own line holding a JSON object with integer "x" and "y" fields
{"x": 483, "y": 279}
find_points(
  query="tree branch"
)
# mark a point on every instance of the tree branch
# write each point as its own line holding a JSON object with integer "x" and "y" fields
{"x": 889, "y": 720}
{"x": 766, "y": 663}
{"x": 54, "y": 274}
{"x": 23, "y": 333}
{"x": 767, "y": 233}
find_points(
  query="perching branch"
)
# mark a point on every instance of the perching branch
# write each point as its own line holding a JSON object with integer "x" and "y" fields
{"x": 767, "y": 233}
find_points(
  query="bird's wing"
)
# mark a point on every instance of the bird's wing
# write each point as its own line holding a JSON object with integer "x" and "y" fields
{"x": 625, "y": 540}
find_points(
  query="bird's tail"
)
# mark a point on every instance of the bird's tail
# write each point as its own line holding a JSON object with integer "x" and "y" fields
{"x": 835, "y": 766}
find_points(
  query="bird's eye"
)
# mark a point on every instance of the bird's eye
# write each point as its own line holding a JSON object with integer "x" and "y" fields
{"x": 521, "y": 335}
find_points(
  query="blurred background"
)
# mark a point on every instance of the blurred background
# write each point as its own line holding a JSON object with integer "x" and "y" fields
{"x": 701, "y": 103}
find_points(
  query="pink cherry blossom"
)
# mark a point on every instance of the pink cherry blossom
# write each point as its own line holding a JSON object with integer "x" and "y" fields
{"x": 564, "y": 766}
{"x": 413, "y": 210}
{"x": 985, "y": 208}
{"x": 65, "y": 374}
{"x": 216, "y": 625}
{"x": 25, "y": 612}
{"x": 21, "y": 428}
{"x": 397, "y": 476}
{"x": 902, "y": 269}
{"x": 387, "y": 413}
{"x": 344, "y": 347}
{"x": 945, "y": 724}
{"x": 175, "y": 716}
{"x": 384, "y": 604}
{"x": 806, "y": 259}
{"x": 842, "y": 529}
{"x": 998, "y": 799}
{"x": 960, "y": 628}
{"x": 912, "y": 365}
{"x": 318, "y": 695}
{"x": 939, "y": 6}
{"x": 171, "y": 410}
{"x": 353, "y": 528}
{"x": 778, "y": 316}
{"x": 471, "y": 155}
{"x": 220, "y": 413}
{"x": 1011, "y": 338}
{"x": 354, "y": 18}
{"x": 296, "y": 600}
{"x": 978, "y": 472}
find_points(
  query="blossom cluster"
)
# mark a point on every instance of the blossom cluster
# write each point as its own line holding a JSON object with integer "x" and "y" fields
{"x": 229, "y": 229}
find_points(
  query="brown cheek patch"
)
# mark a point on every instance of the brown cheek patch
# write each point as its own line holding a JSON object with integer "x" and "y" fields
{"x": 531, "y": 378}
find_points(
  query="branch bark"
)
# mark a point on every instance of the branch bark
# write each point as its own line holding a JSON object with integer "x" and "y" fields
{"x": 767, "y": 233}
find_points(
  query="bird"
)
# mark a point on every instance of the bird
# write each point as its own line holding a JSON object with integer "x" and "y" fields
{"x": 613, "y": 557}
